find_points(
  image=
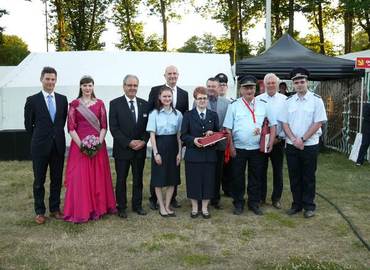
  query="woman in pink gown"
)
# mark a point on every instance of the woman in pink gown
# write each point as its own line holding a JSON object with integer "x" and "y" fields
{"x": 88, "y": 180}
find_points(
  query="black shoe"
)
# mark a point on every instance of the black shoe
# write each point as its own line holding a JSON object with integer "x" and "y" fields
{"x": 140, "y": 211}
{"x": 194, "y": 214}
{"x": 153, "y": 205}
{"x": 238, "y": 211}
{"x": 206, "y": 215}
{"x": 308, "y": 213}
{"x": 256, "y": 210}
{"x": 293, "y": 211}
{"x": 175, "y": 204}
{"x": 122, "y": 214}
{"x": 163, "y": 215}
{"x": 276, "y": 204}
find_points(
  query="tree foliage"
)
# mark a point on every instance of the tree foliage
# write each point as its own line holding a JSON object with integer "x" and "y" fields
{"x": 319, "y": 13}
{"x": 132, "y": 32}
{"x": 12, "y": 50}
{"x": 237, "y": 16}
{"x": 2, "y": 12}
{"x": 78, "y": 24}
{"x": 313, "y": 43}
{"x": 165, "y": 9}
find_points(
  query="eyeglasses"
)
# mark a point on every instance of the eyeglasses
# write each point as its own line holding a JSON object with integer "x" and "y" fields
{"x": 202, "y": 98}
{"x": 300, "y": 82}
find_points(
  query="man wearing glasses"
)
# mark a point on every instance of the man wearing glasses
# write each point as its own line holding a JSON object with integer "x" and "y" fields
{"x": 302, "y": 119}
{"x": 243, "y": 121}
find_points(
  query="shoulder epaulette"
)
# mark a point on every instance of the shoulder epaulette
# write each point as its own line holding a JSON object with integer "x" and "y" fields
{"x": 316, "y": 95}
{"x": 289, "y": 97}
{"x": 233, "y": 101}
{"x": 262, "y": 100}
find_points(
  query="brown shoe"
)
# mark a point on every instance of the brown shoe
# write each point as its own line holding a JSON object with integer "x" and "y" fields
{"x": 56, "y": 215}
{"x": 40, "y": 219}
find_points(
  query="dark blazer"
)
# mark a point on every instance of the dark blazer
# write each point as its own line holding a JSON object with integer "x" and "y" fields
{"x": 182, "y": 102}
{"x": 366, "y": 121}
{"x": 124, "y": 129}
{"x": 193, "y": 127}
{"x": 38, "y": 123}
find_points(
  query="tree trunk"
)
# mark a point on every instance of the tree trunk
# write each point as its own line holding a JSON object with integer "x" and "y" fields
{"x": 164, "y": 24}
{"x": 61, "y": 29}
{"x": 276, "y": 18}
{"x": 321, "y": 30}
{"x": 291, "y": 18}
{"x": 348, "y": 29}
{"x": 240, "y": 20}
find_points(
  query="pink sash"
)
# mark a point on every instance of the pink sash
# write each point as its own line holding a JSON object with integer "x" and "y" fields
{"x": 89, "y": 116}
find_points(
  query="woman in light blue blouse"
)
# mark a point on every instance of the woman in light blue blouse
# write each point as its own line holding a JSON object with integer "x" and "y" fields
{"x": 164, "y": 125}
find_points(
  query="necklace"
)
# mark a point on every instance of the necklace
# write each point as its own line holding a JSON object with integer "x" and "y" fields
{"x": 86, "y": 102}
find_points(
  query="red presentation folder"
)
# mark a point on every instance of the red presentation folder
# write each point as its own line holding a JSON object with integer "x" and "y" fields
{"x": 215, "y": 137}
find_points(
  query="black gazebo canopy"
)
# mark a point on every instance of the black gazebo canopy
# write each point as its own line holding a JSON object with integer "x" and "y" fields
{"x": 287, "y": 53}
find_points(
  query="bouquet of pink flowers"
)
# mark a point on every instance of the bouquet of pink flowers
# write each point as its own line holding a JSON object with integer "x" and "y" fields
{"x": 90, "y": 145}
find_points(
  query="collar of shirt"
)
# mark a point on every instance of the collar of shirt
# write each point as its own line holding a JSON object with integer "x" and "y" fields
{"x": 305, "y": 97}
{"x": 166, "y": 111}
{"x": 128, "y": 100}
{"x": 173, "y": 88}
{"x": 46, "y": 94}
{"x": 199, "y": 112}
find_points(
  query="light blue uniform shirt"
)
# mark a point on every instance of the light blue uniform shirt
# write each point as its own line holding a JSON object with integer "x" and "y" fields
{"x": 276, "y": 105}
{"x": 240, "y": 121}
{"x": 164, "y": 122}
{"x": 301, "y": 113}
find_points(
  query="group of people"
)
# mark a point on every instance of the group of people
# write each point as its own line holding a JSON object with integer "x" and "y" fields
{"x": 294, "y": 125}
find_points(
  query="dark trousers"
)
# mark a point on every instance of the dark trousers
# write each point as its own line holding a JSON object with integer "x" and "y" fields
{"x": 153, "y": 197}
{"x": 226, "y": 180}
{"x": 302, "y": 167}
{"x": 40, "y": 165}
{"x": 277, "y": 157}
{"x": 254, "y": 159}
{"x": 218, "y": 176}
{"x": 122, "y": 169}
{"x": 365, "y": 142}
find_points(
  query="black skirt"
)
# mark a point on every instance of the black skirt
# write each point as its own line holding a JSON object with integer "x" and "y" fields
{"x": 167, "y": 174}
{"x": 200, "y": 180}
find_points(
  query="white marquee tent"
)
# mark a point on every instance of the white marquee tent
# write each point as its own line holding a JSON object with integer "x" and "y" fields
{"x": 108, "y": 70}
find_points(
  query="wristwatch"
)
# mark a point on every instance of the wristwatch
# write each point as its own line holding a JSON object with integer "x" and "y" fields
{"x": 303, "y": 140}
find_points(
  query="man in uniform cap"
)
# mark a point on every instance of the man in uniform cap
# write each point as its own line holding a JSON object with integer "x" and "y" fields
{"x": 222, "y": 78}
{"x": 302, "y": 119}
{"x": 243, "y": 120}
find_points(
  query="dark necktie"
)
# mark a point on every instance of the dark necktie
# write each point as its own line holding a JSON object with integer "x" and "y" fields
{"x": 202, "y": 116}
{"x": 132, "y": 109}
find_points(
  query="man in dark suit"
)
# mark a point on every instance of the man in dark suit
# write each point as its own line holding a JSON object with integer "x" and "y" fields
{"x": 128, "y": 116}
{"x": 45, "y": 115}
{"x": 219, "y": 105}
{"x": 181, "y": 103}
{"x": 365, "y": 142}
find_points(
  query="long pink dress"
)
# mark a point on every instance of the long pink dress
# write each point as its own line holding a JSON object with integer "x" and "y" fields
{"x": 88, "y": 180}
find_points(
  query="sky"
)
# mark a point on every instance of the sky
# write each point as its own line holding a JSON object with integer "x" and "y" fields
{"x": 27, "y": 20}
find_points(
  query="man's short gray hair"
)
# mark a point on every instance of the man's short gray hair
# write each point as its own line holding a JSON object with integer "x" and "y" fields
{"x": 268, "y": 76}
{"x": 128, "y": 76}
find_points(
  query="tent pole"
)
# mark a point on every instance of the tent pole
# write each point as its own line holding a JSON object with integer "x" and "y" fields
{"x": 268, "y": 24}
{"x": 361, "y": 101}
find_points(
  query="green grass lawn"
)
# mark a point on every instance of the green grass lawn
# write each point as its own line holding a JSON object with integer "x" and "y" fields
{"x": 272, "y": 241}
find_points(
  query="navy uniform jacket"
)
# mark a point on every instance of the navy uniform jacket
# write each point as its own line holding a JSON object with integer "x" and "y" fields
{"x": 43, "y": 130}
{"x": 193, "y": 127}
{"x": 182, "y": 102}
{"x": 124, "y": 130}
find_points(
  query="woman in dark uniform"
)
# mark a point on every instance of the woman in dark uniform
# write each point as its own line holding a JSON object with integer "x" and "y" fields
{"x": 200, "y": 161}
{"x": 164, "y": 126}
